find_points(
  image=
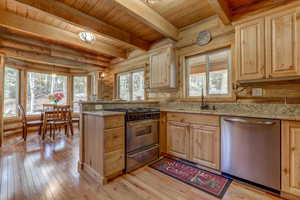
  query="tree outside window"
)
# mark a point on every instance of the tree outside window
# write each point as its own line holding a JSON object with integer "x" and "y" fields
{"x": 11, "y": 92}
{"x": 131, "y": 85}
{"x": 40, "y": 86}
{"x": 79, "y": 91}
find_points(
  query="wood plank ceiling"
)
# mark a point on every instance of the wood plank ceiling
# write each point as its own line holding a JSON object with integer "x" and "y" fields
{"x": 118, "y": 27}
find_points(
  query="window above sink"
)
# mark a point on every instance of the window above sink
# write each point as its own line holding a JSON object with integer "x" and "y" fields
{"x": 208, "y": 74}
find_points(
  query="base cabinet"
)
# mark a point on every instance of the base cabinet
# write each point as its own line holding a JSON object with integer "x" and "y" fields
{"x": 178, "y": 140}
{"x": 195, "y": 138}
{"x": 102, "y": 146}
{"x": 291, "y": 157}
{"x": 205, "y": 145}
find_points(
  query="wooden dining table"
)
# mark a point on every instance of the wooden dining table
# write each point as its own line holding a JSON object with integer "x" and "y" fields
{"x": 52, "y": 116}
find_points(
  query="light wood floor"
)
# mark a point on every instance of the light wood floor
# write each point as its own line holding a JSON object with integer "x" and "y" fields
{"x": 39, "y": 170}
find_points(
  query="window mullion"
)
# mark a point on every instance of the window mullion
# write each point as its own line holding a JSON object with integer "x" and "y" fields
{"x": 130, "y": 86}
{"x": 207, "y": 76}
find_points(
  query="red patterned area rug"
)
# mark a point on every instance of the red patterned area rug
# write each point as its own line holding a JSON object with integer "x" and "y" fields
{"x": 213, "y": 184}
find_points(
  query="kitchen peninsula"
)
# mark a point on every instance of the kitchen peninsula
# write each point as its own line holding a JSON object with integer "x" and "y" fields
{"x": 102, "y": 144}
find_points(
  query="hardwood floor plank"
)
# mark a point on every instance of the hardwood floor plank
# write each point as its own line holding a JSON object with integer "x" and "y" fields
{"x": 47, "y": 170}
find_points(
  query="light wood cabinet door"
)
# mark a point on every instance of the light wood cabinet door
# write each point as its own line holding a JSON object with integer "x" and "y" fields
{"x": 291, "y": 157}
{"x": 159, "y": 73}
{"x": 205, "y": 145}
{"x": 178, "y": 139}
{"x": 163, "y": 69}
{"x": 250, "y": 50}
{"x": 282, "y": 44}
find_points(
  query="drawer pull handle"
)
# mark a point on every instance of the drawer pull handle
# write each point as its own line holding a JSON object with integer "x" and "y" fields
{"x": 133, "y": 155}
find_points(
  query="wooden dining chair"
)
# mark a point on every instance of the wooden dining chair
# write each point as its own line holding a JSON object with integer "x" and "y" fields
{"x": 63, "y": 119}
{"x": 28, "y": 124}
{"x": 49, "y": 107}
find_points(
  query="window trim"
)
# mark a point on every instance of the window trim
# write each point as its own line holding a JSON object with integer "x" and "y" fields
{"x": 130, "y": 82}
{"x": 186, "y": 74}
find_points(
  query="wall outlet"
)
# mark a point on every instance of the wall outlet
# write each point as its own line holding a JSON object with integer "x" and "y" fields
{"x": 257, "y": 92}
{"x": 99, "y": 107}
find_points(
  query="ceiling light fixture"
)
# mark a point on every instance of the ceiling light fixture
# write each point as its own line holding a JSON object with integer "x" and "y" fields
{"x": 87, "y": 37}
{"x": 151, "y": 1}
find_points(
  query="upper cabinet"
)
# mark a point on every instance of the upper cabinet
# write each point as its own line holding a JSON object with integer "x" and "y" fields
{"x": 268, "y": 47}
{"x": 282, "y": 41}
{"x": 163, "y": 69}
{"x": 250, "y": 39}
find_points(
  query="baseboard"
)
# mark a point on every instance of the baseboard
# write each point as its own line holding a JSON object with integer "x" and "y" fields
{"x": 289, "y": 196}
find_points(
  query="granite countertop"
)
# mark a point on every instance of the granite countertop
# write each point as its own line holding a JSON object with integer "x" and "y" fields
{"x": 237, "y": 114}
{"x": 117, "y": 102}
{"x": 103, "y": 113}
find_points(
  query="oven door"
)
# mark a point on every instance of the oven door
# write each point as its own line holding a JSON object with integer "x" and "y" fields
{"x": 141, "y": 134}
{"x": 141, "y": 158}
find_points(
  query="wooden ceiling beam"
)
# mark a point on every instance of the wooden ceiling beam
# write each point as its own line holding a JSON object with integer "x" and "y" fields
{"x": 43, "y": 31}
{"x": 47, "y": 45}
{"x": 45, "y": 59}
{"x": 48, "y": 51}
{"x": 73, "y": 16}
{"x": 222, "y": 9}
{"x": 21, "y": 64}
{"x": 147, "y": 15}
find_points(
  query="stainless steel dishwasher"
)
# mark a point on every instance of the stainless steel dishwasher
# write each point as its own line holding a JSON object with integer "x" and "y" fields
{"x": 251, "y": 150}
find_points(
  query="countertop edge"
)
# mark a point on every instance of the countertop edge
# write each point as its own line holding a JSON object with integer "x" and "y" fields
{"x": 103, "y": 113}
{"x": 220, "y": 113}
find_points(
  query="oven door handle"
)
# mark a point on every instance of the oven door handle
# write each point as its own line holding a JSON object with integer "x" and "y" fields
{"x": 143, "y": 122}
{"x": 133, "y": 155}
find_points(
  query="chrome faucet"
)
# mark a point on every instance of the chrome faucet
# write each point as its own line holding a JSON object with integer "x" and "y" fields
{"x": 204, "y": 105}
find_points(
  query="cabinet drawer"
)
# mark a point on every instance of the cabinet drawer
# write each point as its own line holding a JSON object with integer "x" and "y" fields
{"x": 210, "y": 120}
{"x": 114, "y": 162}
{"x": 113, "y": 121}
{"x": 114, "y": 139}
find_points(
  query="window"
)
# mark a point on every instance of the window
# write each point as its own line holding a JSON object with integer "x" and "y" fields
{"x": 131, "y": 85}
{"x": 79, "y": 91}
{"x": 40, "y": 86}
{"x": 11, "y": 92}
{"x": 209, "y": 74}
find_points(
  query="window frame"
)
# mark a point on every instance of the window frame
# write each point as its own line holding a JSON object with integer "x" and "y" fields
{"x": 86, "y": 87}
{"x": 130, "y": 83}
{"x": 49, "y": 73}
{"x": 19, "y": 92}
{"x": 207, "y": 54}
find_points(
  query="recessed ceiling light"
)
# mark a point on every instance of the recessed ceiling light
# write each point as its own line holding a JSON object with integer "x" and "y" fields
{"x": 87, "y": 37}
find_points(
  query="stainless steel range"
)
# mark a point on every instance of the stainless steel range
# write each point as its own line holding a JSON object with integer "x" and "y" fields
{"x": 142, "y": 131}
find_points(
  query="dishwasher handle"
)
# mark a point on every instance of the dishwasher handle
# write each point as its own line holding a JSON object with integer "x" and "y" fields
{"x": 249, "y": 121}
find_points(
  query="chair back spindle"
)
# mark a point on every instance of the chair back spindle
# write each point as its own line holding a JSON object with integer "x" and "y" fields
{"x": 22, "y": 113}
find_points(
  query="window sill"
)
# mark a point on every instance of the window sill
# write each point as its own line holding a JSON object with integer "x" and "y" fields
{"x": 9, "y": 120}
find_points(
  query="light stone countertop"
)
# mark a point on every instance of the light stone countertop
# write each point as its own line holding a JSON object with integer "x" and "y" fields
{"x": 103, "y": 113}
{"x": 117, "y": 102}
{"x": 234, "y": 114}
